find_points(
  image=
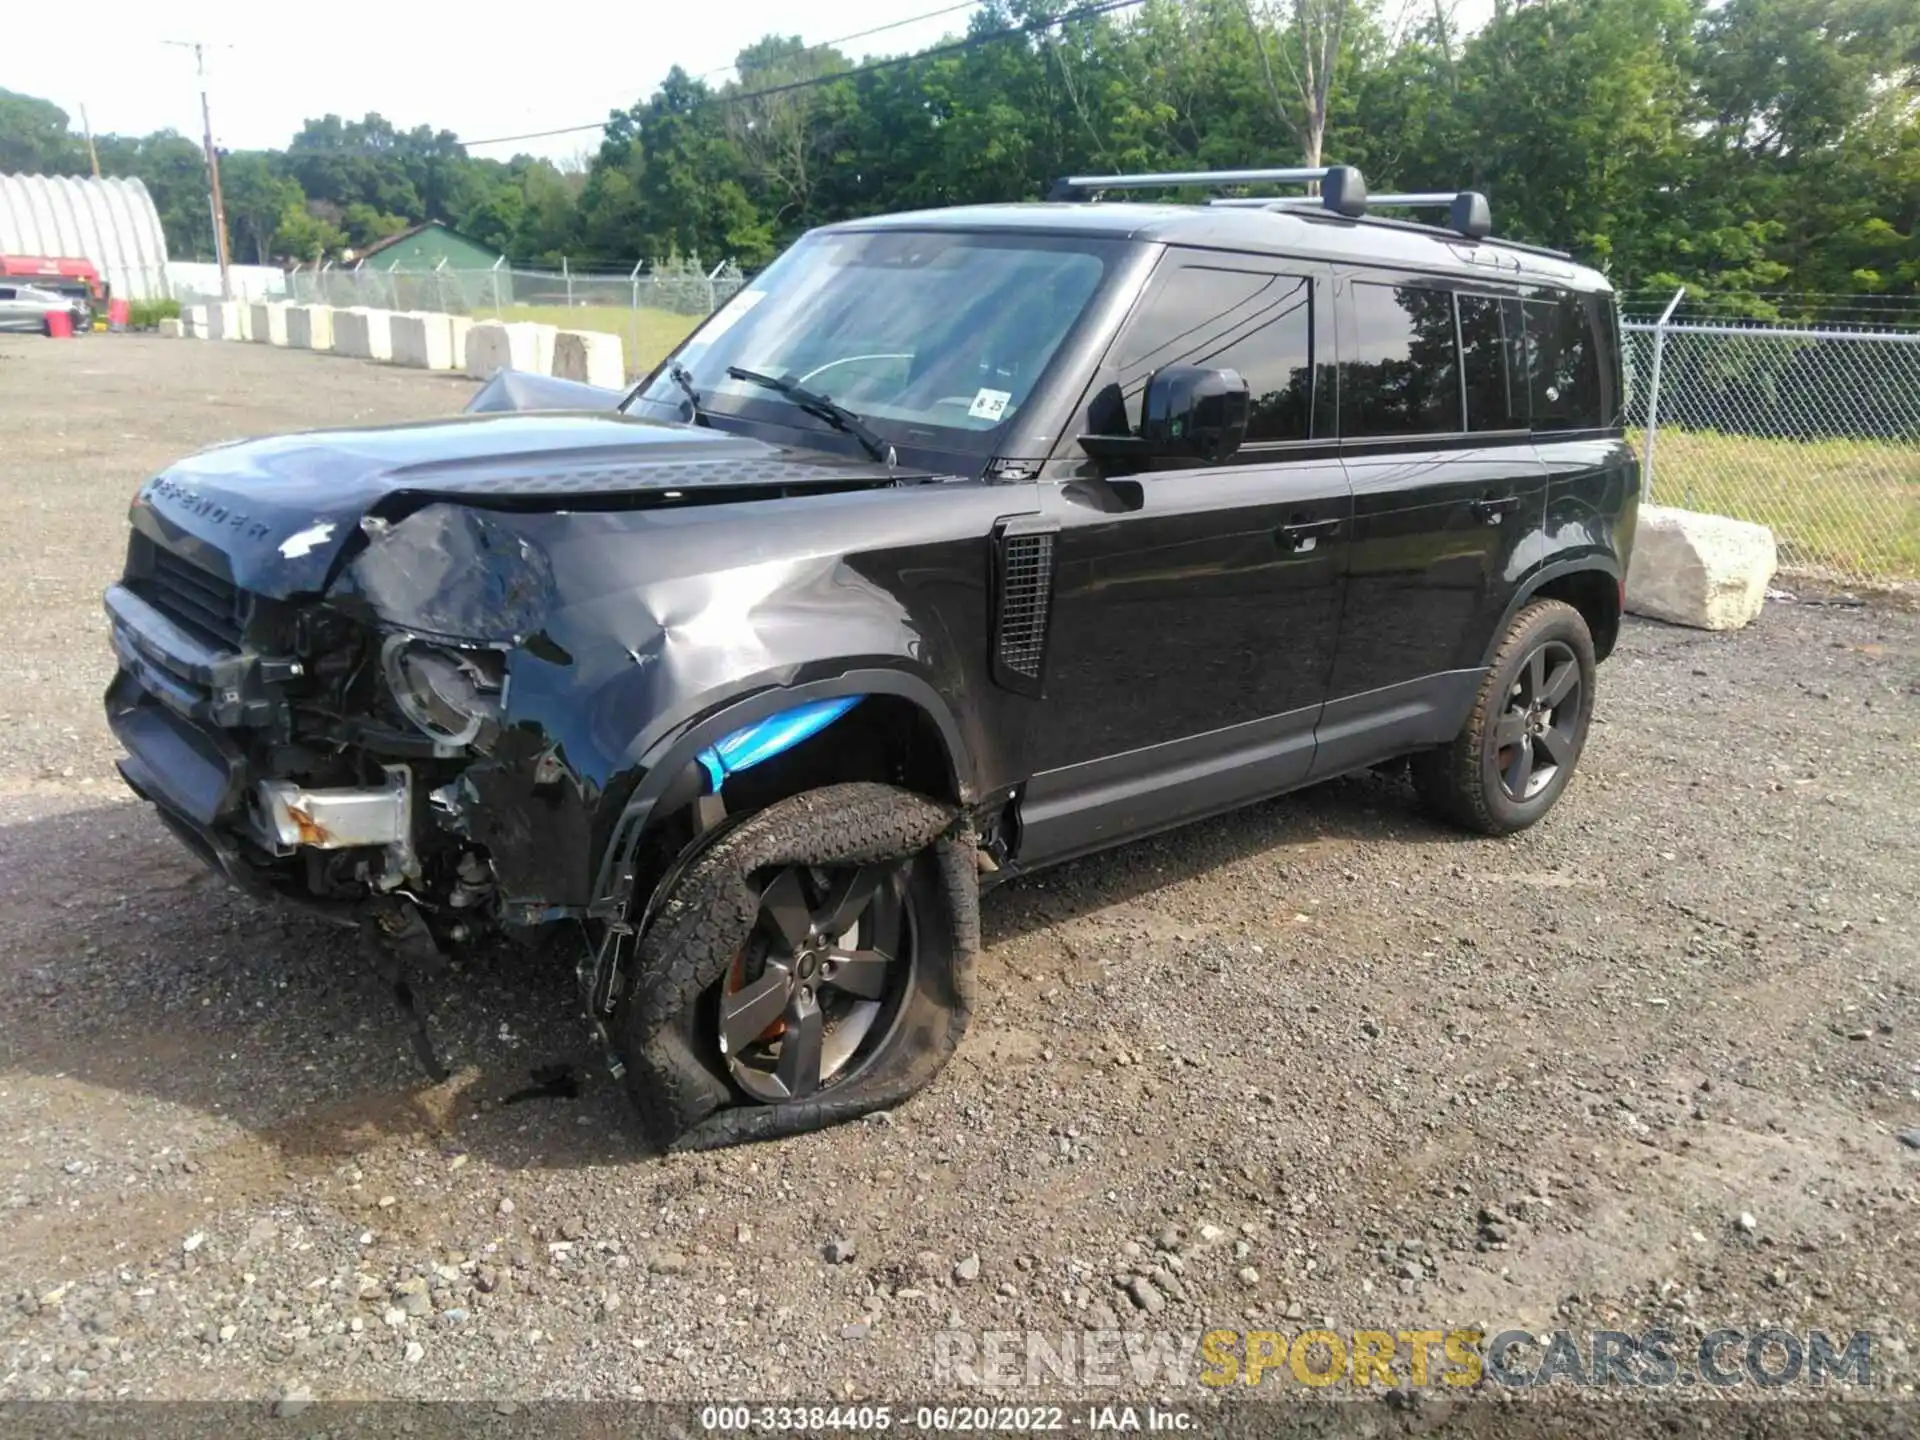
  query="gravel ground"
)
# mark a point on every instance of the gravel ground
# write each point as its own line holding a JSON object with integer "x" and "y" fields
{"x": 1649, "y": 1064}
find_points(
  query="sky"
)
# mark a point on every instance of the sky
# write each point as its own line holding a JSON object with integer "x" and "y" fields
{"x": 477, "y": 69}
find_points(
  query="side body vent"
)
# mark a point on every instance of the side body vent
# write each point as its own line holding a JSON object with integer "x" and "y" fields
{"x": 1022, "y": 603}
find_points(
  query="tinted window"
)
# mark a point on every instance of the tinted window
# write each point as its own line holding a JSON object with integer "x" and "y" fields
{"x": 1403, "y": 375}
{"x": 1259, "y": 325}
{"x": 1565, "y": 364}
{"x": 6, "y": 292}
{"x": 1493, "y": 362}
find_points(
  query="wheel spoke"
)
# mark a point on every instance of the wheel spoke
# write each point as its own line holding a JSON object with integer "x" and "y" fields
{"x": 1509, "y": 729}
{"x": 1536, "y": 674}
{"x": 1560, "y": 684}
{"x": 784, "y": 904}
{"x": 747, "y": 1012}
{"x": 848, "y": 900}
{"x": 1557, "y": 742}
{"x": 1519, "y": 769}
{"x": 799, "y": 1068}
{"x": 860, "y": 972}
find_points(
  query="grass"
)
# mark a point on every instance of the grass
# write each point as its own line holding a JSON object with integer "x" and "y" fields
{"x": 1845, "y": 506}
{"x": 647, "y": 334}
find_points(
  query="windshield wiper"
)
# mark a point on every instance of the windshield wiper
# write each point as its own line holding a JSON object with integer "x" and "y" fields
{"x": 819, "y": 406}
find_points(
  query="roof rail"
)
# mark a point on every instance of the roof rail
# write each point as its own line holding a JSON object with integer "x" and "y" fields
{"x": 1467, "y": 210}
{"x": 1343, "y": 189}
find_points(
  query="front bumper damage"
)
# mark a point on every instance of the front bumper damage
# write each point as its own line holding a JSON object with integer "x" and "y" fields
{"x": 260, "y": 732}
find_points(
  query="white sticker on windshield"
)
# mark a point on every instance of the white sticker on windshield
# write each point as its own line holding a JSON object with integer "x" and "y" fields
{"x": 989, "y": 404}
{"x": 731, "y": 314}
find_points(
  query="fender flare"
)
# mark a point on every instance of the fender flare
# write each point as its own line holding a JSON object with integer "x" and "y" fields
{"x": 1598, "y": 561}
{"x": 667, "y": 756}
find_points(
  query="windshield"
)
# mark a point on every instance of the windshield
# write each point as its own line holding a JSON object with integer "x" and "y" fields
{"x": 933, "y": 338}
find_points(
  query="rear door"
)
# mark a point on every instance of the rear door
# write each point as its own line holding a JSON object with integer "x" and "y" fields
{"x": 1195, "y": 608}
{"x": 1449, "y": 498}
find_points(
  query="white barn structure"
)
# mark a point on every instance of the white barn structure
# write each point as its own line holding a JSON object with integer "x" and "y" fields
{"x": 110, "y": 222}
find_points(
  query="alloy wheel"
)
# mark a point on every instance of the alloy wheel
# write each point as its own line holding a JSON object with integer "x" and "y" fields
{"x": 815, "y": 992}
{"x": 1538, "y": 734}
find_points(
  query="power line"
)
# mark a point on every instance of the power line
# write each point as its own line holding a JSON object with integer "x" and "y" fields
{"x": 857, "y": 35}
{"x": 954, "y": 47}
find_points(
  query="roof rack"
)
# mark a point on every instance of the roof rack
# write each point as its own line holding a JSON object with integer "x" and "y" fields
{"x": 1343, "y": 189}
{"x": 1467, "y": 210}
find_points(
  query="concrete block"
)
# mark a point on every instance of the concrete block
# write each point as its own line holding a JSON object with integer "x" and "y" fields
{"x": 310, "y": 327}
{"x": 457, "y": 327}
{"x": 1706, "y": 571}
{"x": 424, "y": 340}
{"x": 363, "y": 333}
{"x": 267, "y": 322}
{"x": 591, "y": 356}
{"x": 193, "y": 318}
{"x": 172, "y": 329}
{"x": 519, "y": 345}
{"x": 224, "y": 320}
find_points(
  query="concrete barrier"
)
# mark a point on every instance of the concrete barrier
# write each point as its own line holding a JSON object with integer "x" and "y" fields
{"x": 193, "y": 318}
{"x": 267, "y": 322}
{"x": 172, "y": 329}
{"x": 310, "y": 327}
{"x": 591, "y": 356}
{"x": 520, "y": 345}
{"x": 424, "y": 340}
{"x": 226, "y": 320}
{"x": 1706, "y": 571}
{"x": 363, "y": 333}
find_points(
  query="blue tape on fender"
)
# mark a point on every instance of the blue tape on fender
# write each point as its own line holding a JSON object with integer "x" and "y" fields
{"x": 764, "y": 739}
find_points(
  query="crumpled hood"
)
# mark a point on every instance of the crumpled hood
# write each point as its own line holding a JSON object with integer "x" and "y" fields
{"x": 275, "y": 514}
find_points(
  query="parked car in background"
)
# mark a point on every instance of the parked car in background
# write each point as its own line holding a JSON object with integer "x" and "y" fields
{"x": 26, "y": 307}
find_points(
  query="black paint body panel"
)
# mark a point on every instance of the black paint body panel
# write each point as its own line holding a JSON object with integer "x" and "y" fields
{"x": 1216, "y": 634}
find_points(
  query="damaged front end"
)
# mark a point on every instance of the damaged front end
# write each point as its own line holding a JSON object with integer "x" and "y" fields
{"x": 350, "y": 751}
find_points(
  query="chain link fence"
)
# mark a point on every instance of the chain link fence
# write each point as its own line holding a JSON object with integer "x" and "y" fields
{"x": 1814, "y": 433}
{"x": 652, "y": 310}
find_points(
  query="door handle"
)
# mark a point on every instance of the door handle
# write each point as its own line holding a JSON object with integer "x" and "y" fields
{"x": 1492, "y": 510}
{"x": 1306, "y": 534}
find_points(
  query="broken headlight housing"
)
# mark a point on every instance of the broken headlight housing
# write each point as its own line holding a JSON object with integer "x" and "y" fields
{"x": 451, "y": 695}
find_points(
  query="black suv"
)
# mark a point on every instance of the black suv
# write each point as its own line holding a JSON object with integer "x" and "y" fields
{"x": 1118, "y": 515}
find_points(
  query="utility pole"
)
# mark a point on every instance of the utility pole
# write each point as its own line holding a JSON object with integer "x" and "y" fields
{"x": 213, "y": 166}
{"x": 92, "y": 154}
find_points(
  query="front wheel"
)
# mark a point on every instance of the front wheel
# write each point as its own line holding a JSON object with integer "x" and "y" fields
{"x": 811, "y": 964}
{"x": 1526, "y": 730}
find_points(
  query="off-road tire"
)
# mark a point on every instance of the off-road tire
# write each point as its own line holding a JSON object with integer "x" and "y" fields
{"x": 1460, "y": 781}
{"x": 675, "y": 1074}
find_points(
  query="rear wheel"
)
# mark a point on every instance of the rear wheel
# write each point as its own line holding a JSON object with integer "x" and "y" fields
{"x": 812, "y": 964}
{"x": 1526, "y": 730}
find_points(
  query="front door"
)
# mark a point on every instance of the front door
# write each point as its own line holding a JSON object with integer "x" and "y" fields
{"x": 1195, "y": 609}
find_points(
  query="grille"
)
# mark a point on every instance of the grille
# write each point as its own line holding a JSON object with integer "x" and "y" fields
{"x": 1026, "y": 587}
{"x": 196, "y": 597}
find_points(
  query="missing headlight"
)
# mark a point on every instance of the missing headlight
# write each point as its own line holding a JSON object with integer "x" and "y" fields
{"x": 450, "y": 695}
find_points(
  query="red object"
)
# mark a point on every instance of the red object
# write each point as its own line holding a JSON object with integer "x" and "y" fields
{"x": 59, "y": 324}
{"x": 48, "y": 267}
{"x": 119, "y": 312}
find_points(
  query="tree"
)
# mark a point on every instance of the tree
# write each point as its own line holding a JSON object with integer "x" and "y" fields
{"x": 35, "y": 140}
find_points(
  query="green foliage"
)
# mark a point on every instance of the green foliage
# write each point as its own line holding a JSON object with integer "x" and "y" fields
{"x": 147, "y": 314}
{"x": 1740, "y": 146}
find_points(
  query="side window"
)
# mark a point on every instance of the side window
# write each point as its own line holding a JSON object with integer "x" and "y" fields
{"x": 1493, "y": 359}
{"x": 1565, "y": 364}
{"x": 7, "y": 292}
{"x": 1259, "y": 325}
{"x": 1403, "y": 375}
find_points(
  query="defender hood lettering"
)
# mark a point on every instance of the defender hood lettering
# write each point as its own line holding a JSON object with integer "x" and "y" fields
{"x": 277, "y": 513}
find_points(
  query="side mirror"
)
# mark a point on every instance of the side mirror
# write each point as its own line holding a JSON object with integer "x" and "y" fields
{"x": 1189, "y": 412}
